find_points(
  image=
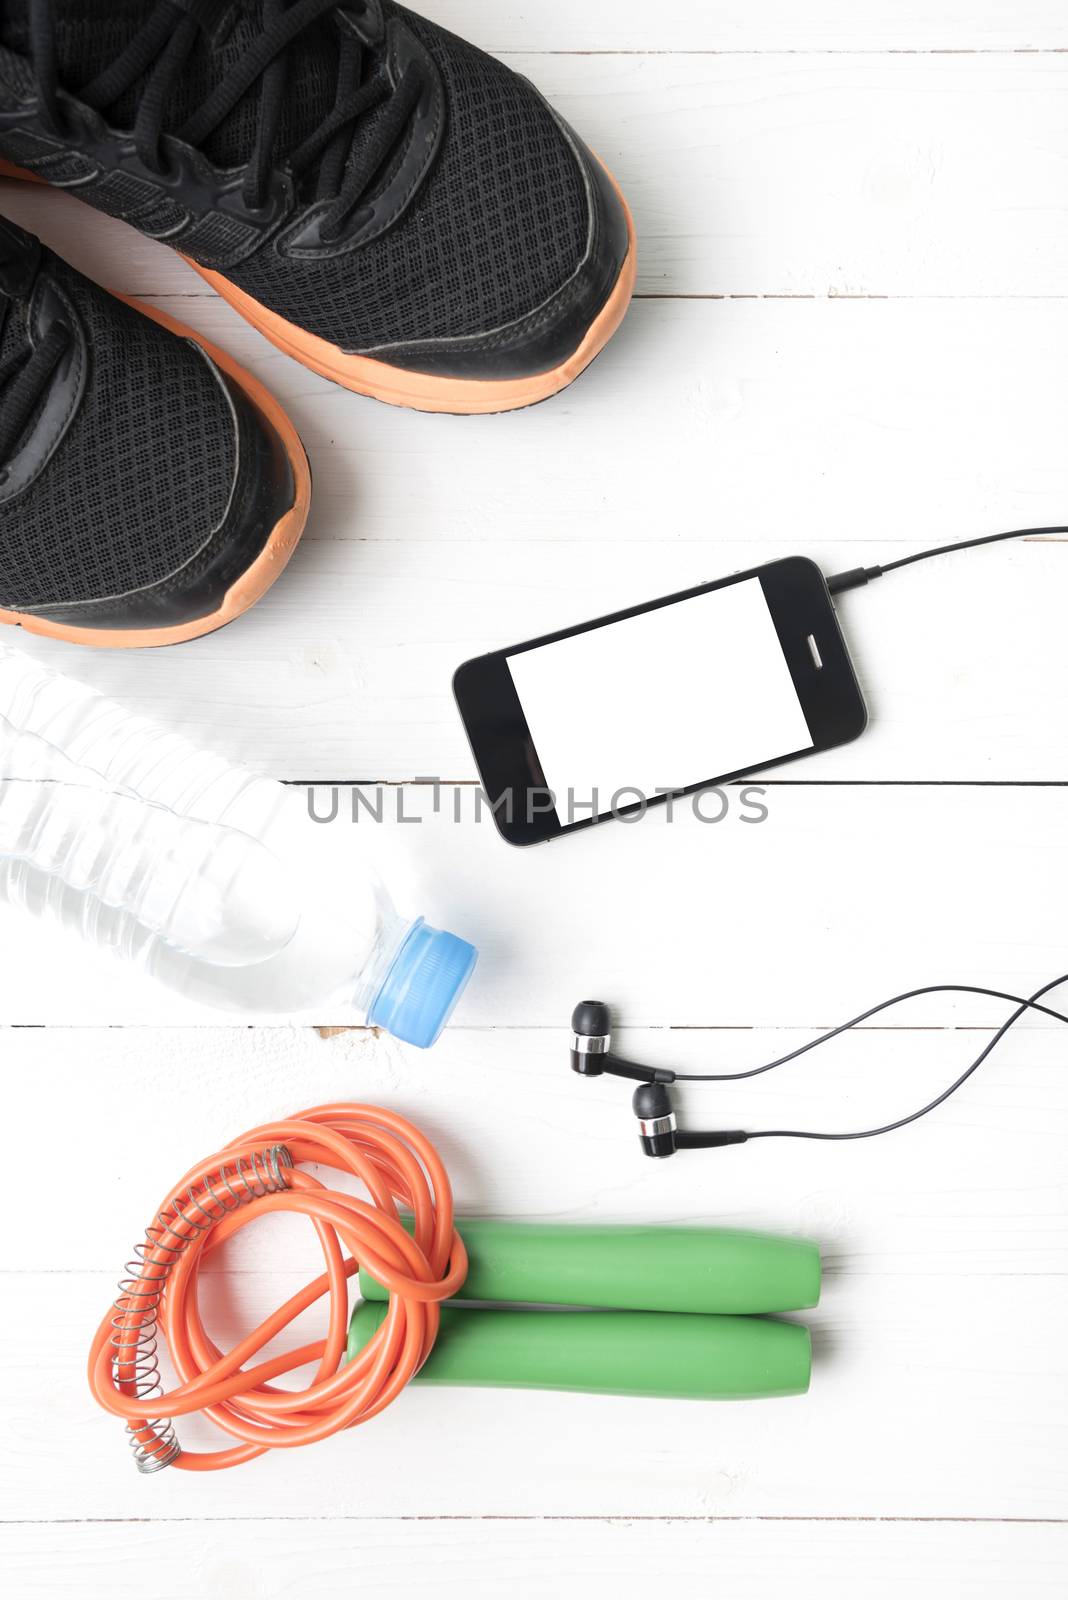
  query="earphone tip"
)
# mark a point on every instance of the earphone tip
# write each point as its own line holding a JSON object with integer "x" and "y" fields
{"x": 590, "y": 1019}
{"x": 651, "y": 1100}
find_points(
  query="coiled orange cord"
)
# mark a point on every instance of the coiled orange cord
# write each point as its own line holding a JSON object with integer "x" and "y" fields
{"x": 251, "y": 1178}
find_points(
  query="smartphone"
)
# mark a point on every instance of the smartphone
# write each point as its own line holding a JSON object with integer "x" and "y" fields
{"x": 698, "y": 688}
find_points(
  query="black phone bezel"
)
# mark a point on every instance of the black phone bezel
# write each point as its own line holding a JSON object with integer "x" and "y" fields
{"x": 801, "y": 606}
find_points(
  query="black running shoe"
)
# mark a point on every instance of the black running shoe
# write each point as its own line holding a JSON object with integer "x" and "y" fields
{"x": 150, "y": 491}
{"x": 387, "y": 204}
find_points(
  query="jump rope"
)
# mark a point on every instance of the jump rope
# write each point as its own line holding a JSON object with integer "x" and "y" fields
{"x": 254, "y": 1177}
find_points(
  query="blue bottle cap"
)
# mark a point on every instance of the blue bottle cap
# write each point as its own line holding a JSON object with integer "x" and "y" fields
{"x": 428, "y": 976}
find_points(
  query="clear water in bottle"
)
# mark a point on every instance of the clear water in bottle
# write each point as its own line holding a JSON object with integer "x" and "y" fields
{"x": 197, "y": 870}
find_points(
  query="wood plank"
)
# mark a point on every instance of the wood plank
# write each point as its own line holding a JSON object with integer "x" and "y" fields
{"x": 776, "y": 175}
{"x": 841, "y": 897}
{"x": 359, "y": 686}
{"x": 943, "y": 1318}
{"x": 759, "y": 25}
{"x": 461, "y": 1559}
{"x": 932, "y": 1397}
{"x": 978, "y": 1189}
{"x": 711, "y": 437}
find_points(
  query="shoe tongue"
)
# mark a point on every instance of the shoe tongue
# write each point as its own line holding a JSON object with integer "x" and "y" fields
{"x": 88, "y": 38}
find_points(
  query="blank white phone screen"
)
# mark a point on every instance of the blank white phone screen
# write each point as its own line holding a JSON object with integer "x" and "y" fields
{"x": 673, "y": 697}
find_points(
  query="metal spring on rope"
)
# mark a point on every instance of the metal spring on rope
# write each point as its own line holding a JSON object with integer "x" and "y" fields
{"x": 135, "y": 1342}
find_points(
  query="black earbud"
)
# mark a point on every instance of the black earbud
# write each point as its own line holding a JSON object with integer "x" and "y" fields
{"x": 591, "y": 1037}
{"x": 659, "y": 1129}
{"x": 591, "y": 1047}
{"x": 656, "y": 1119}
{"x": 591, "y": 1055}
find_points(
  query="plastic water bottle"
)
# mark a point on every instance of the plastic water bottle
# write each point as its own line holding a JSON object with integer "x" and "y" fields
{"x": 92, "y": 851}
{"x": 200, "y": 872}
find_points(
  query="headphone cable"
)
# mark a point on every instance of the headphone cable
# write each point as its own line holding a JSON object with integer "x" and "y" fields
{"x": 859, "y": 576}
{"x": 1022, "y": 1007}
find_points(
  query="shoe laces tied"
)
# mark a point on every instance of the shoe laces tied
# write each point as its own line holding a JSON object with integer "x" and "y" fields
{"x": 152, "y": 64}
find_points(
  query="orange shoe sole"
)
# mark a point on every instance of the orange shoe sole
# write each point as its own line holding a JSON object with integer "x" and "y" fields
{"x": 257, "y": 578}
{"x": 423, "y": 391}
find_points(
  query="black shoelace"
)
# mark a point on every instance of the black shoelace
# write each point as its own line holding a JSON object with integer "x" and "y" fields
{"x": 153, "y": 62}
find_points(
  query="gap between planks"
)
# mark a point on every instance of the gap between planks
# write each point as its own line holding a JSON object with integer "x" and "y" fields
{"x": 738, "y": 783}
{"x": 816, "y": 50}
{"x": 601, "y": 1521}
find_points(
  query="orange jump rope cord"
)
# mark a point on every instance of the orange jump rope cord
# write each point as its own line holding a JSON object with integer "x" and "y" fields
{"x": 251, "y": 1178}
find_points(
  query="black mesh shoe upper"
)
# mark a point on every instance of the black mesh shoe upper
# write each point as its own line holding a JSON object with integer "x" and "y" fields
{"x": 498, "y": 227}
{"x": 131, "y": 468}
{"x": 143, "y": 468}
{"x": 358, "y": 170}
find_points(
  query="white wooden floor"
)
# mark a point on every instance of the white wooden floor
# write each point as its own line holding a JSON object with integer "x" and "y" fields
{"x": 851, "y": 339}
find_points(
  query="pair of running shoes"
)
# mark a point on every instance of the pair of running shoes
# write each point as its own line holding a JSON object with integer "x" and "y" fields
{"x": 388, "y": 205}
